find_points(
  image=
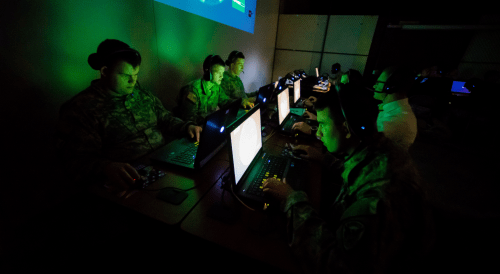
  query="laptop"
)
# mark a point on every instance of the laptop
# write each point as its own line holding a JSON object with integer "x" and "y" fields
{"x": 286, "y": 119}
{"x": 458, "y": 88}
{"x": 193, "y": 155}
{"x": 250, "y": 165}
{"x": 322, "y": 86}
{"x": 297, "y": 101}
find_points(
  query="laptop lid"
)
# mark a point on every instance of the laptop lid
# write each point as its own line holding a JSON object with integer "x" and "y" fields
{"x": 283, "y": 105}
{"x": 265, "y": 93}
{"x": 213, "y": 135}
{"x": 246, "y": 143}
{"x": 459, "y": 87}
{"x": 296, "y": 91}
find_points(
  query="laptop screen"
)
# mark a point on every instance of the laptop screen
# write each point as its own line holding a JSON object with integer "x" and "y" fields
{"x": 296, "y": 91}
{"x": 459, "y": 87}
{"x": 317, "y": 72}
{"x": 246, "y": 141}
{"x": 283, "y": 105}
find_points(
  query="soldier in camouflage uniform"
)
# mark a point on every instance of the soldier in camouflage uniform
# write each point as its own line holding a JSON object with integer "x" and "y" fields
{"x": 379, "y": 222}
{"x": 114, "y": 121}
{"x": 204, "y": 96}
{"x": 231, "y": 83}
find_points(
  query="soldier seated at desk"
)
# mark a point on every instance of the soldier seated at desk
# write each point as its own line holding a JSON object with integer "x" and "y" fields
{"x": 114, "y": 121}
{"x": 204, "y": 96}
{"x": 231, "y": 82}
{"x": 380, "y": 221}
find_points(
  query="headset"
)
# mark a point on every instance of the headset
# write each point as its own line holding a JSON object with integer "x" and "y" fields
{"x": 395, "y": 80}
{"x": 207, "y": 73}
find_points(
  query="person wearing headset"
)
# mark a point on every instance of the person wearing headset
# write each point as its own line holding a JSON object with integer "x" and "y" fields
{"x": 114, "y": 122}
{"x": 231, "y": 82}
{"x": 396, "y": 118}
{"x": 380, "y": 221}
{"x": 204, "y": 96}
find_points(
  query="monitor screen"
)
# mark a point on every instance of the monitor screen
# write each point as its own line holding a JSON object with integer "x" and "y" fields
{"x": 296, "y": 90}
{"x": 283, "y": 105}
{"x": 246, "y": 141}
{"x": 317, "y": 72}
{"x": 459, "y": 87}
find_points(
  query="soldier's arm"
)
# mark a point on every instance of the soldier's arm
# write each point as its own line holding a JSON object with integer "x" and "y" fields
{"x": 167, "y": 121}
{"x": 79, "y": 145}
{"x": 189, "y": 107}
{"x": 223, "y": 98}
{"x": 321, "y": 247}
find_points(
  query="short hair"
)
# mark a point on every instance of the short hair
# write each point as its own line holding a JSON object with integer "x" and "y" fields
{"x": 400, "y": 78}
{"x": 349, "y": 103}
{"x": 110, "y": 52}
{"x": 233, "y": 56}
{"x": 216, "y": 60}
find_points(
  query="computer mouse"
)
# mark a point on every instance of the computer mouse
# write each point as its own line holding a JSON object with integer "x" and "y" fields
{"x": 299, "y": 152}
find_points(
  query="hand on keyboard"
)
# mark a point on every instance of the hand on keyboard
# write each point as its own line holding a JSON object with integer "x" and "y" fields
{"x": 310, "y": 115}
{"x": 194, "y": 132}
{"x": 312, "y": 153}
{"x": 121, "y": 178}
{"x": 278, "y": 189}
{"x": 303, "y": 127}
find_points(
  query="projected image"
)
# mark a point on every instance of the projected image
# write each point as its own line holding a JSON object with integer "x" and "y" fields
{"x": 238, "y": 14}
{"x": 296, "y": 91}
{"x": 246, "y": 141}
{"x": 459, "y": 87}
{"x": 283, "y": 105}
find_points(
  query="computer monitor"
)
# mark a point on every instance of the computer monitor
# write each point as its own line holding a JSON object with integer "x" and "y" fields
{"x": 459, "y": 87}
{"x": 283, "y": 105}
{"x": 246, "y": 141}
{"x": 296, "y": 91}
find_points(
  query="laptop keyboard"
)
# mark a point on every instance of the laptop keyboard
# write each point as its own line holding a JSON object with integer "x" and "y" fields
{"x": 188, "y": 155}
{"x": 288, "y": 125}
{"x": 274, "y": 167}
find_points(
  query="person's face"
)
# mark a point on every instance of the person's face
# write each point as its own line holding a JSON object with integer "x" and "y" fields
{"x": 122, "y": 78}
{"x": 217, "y": 74}
{"x": 238, "y": 66}
{"x": 328, "y": 132}
{"x": 379, "y": 86}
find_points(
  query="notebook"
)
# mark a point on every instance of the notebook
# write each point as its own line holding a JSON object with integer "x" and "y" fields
{"x": 286, "y": 119}
{"x": 250, "y": 165}
{"x": 297, "y": 101}
{"x": 186, "y": 153}
{"x": 459, "y": 87}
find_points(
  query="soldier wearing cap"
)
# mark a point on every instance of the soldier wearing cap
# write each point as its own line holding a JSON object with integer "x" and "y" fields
{"x": 114, "y": 121}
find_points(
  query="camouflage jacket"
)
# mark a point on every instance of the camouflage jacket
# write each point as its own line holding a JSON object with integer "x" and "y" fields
{"x": 342, "y": 242}
{"x": 196, "y": 102}
{"x": 96, "y": 128}
{"x": 233, "y": 86}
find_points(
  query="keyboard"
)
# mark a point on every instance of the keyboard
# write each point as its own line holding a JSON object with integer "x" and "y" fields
{"x": 188, "y": 155}
{"x": 274, "y": 168}
{"x": 287, "y": 127}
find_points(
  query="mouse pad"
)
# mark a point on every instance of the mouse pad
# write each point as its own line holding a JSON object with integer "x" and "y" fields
{"x": 172, "y": 195}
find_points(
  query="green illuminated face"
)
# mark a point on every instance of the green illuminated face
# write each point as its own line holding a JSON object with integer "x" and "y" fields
{"x": 379, "y": 86}
{"x": 238, "y": 66}
{"x": 217, "y": 74}
{"x": 328, "y": 132}
{"x": 122, "y": 79}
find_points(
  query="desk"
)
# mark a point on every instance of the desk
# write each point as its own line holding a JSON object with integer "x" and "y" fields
{"x": 257, "y": 234}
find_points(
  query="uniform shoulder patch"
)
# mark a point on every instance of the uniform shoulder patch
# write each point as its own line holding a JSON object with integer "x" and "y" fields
{"x": 192, "y": 97}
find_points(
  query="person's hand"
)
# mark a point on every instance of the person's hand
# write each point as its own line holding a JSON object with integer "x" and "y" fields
{"x": 121, "y": 177}
{"x": 301, "y": 126}
{"x": 252, "y": 99}
{"x": 312, "y": 153}
{"x": 279, "y": 190}
{"x": 246, "y": 102}
{"x": 312, "y": 99}
{"x": 194, "y": 131}
{"x": 310, "y": 116}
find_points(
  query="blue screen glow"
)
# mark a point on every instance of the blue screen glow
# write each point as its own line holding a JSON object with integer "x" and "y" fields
{"x": 238, "y": 14}
{"x": 221, "y": 129}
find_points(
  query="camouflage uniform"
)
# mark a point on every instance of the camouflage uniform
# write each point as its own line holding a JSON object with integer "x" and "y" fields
{"x": 197, "y": 102}
{"x": 96, "y": 128}
{"x": 346, "y": 240}
{"x": 233, "y": 86}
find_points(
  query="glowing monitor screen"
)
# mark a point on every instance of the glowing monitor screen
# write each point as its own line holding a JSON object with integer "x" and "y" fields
{"x": 296, "y": 90}
{"x": 246, "y": 141}
{"x": 459, "y": 87}
{"x": 283, "y": 105}
{"x": 238, "y": 14}
{"x": 317, "y": 72}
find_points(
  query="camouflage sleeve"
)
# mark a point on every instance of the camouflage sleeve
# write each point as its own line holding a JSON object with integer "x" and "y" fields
{"x": 168, "y": 122}
{"x": 225, "y": 87}
{"x": 320, "y": 248}
{"x": 223, "y": 98}
{"x": 189, "y": 107}
{"x": 79, "y": 144}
